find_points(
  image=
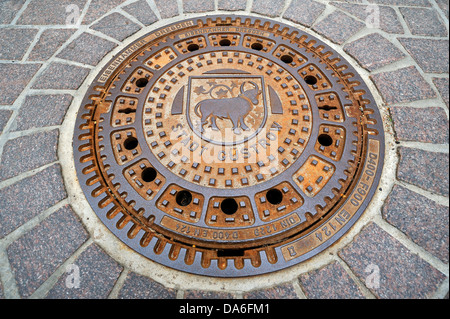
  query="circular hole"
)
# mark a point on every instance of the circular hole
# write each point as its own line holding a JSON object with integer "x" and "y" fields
{"x": 311, "y": 80}
{"x": 325, "y": 140}
{"x": 193, "y": 47}
{"x": 257, "y": 46}
{"x": 149, "y": 174}
{"x": 184, "y": 198}
{"x": 229, "y": 206}
{"x": 225, "y": 43}
{"x": 274, "y": 196}
{"x": 131, "y": 143}
{"x": 142, "y": 82}
{"x": 287, "y": 59}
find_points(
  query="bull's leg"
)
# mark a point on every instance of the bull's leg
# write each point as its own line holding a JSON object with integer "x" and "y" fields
{"x": 242, "y": 124}
{"x": 214, "y": 124}
{"x": 204, "y": 121}
{"x": 202, "y": 130}
{"x": 236, "y": 128}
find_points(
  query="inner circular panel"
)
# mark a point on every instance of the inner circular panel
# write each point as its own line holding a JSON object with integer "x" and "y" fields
{"x": 228, "y": 146}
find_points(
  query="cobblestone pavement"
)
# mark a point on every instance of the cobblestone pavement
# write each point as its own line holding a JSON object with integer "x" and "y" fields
{"x": 46, "y": 61}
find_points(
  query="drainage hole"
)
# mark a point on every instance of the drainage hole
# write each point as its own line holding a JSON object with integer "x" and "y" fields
{"x": 229, "y": 206}
{"x": 193, "y": 47}
{"x": 142, "y": 82}
{"x": 287, "y": 59}
{"x": 184, "y": 198}
{"x": 127, "y": 111}
{"x": 225, "y": 43}
{"x": 257, "y": 46}
{"x": 274, "y": 196}
{"x": 311, "y": 80}
{"x": 130, "y": 143}
{"x": 327, "y": 108}
{"x": 325, "y": 140}
{"x": 149, "y": 174}
{"x": 230, "y": 253}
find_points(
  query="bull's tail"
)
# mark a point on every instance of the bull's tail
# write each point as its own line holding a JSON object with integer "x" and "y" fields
{"x": 196, "y": 109}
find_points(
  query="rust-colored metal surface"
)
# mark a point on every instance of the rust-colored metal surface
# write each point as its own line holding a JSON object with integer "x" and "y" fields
{"x": 228, "y": 146}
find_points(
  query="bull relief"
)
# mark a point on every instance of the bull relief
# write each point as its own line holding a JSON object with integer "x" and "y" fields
{"x": 225, "y": 109}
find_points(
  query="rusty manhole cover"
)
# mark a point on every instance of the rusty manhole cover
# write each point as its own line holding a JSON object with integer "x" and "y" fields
{"x": 228, "y": 146}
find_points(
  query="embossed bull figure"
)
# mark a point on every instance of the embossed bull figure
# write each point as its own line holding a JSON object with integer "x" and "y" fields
{"x": 234, "y": 109}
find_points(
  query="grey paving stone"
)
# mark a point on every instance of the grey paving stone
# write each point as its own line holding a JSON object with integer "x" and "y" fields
{"x": 426, "y": 125}
{"x": 28, "y": 152}
{"x": 421, "y": 219}
{"x": 97, "y": 273}
{"x": 388, "y": 268}
{"x": 442, "y": 86}
{"x": 373, "y": 51}
{"x": 140, "y": 287}
{"x": 388, "y": 18}
{"x": 98, "y": 8}
{"x": 330, "y": 282}
{"x": 431, "y": 55}
{"x": 49, "y": 12}
{"x": 427, "y": 170}
{"x": 38, "y": 253}
{"x": 194, "y": 6}
{"x": 87, "y": 48}
{"x": 167, "y": 8}
{"x": 49, "y": 42}
{"x": 14, "y": 42}
{"x": 9, "y": 9}
{"x": 402, "y": 85}
{"x": 331, "y": 27}
{"x": 284, "y": 291}
{"x": 15, "y": 77}
{"x": 1, "y": 292}
{"x": 42, "y": 110}
{"x": 271, "y": 8}
{"x": 142, "y": 11}
{"x": 60, "y": 76}
{"x": 200, "y": 294}
{"x": 116, "y": 26}
{"x": 232, "y": 5}
{"x": 443, "y": 4}
{"x": 351, "y": 1}
{"x": 304, "y": 12}
{"x": 424, "y": 21}
{"x": 29, "y": 197}
{"x": 420, "y": 3}
{"x": 5, "y": 115}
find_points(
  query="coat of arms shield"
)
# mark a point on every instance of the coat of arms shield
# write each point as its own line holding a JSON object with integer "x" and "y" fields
{"x": 226, "y": 110}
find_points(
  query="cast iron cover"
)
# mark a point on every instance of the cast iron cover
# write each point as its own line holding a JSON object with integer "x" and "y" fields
{"x": 228, "y": 146}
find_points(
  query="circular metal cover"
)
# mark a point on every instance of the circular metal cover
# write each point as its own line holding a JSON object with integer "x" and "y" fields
{"x": 228, "y": 146}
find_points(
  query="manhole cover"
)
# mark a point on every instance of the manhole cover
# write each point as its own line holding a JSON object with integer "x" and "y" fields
{"x": 228, "y": 146}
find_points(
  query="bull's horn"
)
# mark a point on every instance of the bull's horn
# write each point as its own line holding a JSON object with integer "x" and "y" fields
{"x": 254, "y": 84}
{"x": 242, "y": 87}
